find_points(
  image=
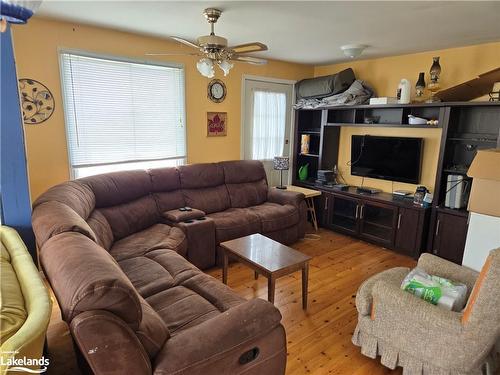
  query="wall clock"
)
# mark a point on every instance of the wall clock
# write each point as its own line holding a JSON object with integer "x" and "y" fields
{"x": 216, "y": 91}
{"x": 36, "y": 100}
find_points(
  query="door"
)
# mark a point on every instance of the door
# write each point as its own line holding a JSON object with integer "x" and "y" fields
{"x": 449, "y": 237}
{"x": 407, "y": 231}
{"x": 267, "y": 125}
{"x": 377, "y": 222}
{"x": 323, "y": 208}
{"x": 344, "y": 213}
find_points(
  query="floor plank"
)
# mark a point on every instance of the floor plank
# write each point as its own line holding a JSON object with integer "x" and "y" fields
{"x": 319, "y": 339}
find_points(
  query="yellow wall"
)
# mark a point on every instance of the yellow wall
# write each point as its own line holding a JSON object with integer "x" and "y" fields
{"x": 458, "y": 65}
{"x": 383, "y": 74}
{"x": 36, "y": 51}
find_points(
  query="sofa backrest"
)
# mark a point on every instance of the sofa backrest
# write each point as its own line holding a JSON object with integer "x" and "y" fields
{"x": 166, "y": 188}
{"x": 124, "y": 199}
{"x": 246, "y": 182}
{"x": 86, "y": 278}
{"x": 63, "y": 208}
{"x": 203, "y": 187}
{"x": 482, "y": 309}
{"x": 111, "y": 206}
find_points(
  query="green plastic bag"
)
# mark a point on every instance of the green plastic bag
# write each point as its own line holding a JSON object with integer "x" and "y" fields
{"x": 436, "y": 290}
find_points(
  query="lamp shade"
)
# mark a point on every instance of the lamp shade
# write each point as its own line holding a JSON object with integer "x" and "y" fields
{"x": 206, "y": 67}
{"x": 225, "y": 66}
{"x": 281, "y": 163}
{"x": 18, "y": 11}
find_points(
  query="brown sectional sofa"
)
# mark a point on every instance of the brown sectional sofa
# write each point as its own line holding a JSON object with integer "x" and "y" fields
{"x": 114, "y": 248}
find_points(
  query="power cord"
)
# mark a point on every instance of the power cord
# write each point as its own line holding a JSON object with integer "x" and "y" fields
{"x": 350, "y": 163}
{"x": 465, "y": 182}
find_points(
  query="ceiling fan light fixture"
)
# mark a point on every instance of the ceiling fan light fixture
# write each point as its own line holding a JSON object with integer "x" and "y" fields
{"x": 225, "y": 66}
{"x": 206, "y": 67}
{"x": 353, "y": 50}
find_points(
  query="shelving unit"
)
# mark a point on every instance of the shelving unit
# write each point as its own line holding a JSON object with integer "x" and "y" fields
{"x": 465, "y": 128}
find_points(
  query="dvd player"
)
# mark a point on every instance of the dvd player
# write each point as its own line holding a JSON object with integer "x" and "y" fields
{"x": 367, "y": 190}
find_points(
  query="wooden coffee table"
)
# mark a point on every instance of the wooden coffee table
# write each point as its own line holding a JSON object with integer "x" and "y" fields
{"x": 268, "y": 258}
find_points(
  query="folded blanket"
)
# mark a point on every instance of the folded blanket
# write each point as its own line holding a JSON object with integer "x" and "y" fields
{"x": 358, "y": 93}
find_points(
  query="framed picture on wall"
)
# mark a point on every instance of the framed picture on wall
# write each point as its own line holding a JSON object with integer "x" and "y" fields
{"x": 216, "y": 124}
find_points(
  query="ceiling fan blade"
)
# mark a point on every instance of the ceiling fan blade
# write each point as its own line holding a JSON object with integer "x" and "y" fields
{"x": 249, "y": 47}
{"x": 250, "y": 60}
{"x": 186, "y": 42}
{"x": 172, "y": 54}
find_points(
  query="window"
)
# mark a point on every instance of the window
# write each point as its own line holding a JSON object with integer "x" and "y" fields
{"x": 269, "y": 121}
{"x": 122, "y": 114}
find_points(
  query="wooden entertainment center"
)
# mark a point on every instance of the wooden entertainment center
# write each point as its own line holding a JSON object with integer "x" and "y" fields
{"x": 394, "y": 222}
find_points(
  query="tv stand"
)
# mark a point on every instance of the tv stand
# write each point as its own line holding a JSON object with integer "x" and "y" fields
{"x": 380, "y": 218}
{"x": 367, "y": 190}
{"x": 459, "y": 123}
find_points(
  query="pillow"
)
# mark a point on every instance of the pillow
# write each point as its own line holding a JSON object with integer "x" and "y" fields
{"x": 475, "y": 291}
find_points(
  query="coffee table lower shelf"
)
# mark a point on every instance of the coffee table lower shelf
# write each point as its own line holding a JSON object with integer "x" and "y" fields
{"x": 268, "y": 258}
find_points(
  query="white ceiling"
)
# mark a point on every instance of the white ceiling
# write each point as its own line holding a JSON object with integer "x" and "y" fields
{"x": 309, "y": 32}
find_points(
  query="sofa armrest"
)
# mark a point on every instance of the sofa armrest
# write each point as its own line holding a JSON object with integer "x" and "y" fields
{"x": 102, "y": 336}
{"x": 215, "y": 339}
{"x": 392, "y": 303}
{"x": 364, "y": 296}
{"x": 434, "y": 265}
{"x": 285, "y": 197}
{"x": 177, "y": 216}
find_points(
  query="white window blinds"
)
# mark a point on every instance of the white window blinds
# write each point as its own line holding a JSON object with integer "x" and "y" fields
{"x": 122, "y": 112}
{"x": 269, "y": 121}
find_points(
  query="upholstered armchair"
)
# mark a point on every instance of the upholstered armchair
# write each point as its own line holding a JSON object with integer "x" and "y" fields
{"x": 425, "y": 339}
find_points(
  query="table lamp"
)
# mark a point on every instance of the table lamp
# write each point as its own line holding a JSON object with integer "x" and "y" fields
{"x": 281, "y": 163}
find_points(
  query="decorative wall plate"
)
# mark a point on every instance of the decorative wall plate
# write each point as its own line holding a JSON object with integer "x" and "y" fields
{"x": 37, "y": 101}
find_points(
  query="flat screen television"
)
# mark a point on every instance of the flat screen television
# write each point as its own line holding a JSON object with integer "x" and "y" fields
{"x": 387, "y": 158}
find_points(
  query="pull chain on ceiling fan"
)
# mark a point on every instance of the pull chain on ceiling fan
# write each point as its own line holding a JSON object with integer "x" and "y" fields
{"x": 214, "y": 50}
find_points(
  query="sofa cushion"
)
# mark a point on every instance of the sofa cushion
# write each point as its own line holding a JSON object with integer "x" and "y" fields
{"x": 152, "y": 331}
{"x": 209, "y": 200}
{"x": 275, "y": 217}
{"x": 73, "y": 194}
{"x": 211, "y": 289}
{"x": 240, "y": 171}
{"x": 52, "y": 218}
{"x": 85, "y": 277}
{"x": 157, "y": 270}
{"x": 164, "y": 179}
{"x": 158, "y": 236}
{"x": 128, "y": 218}
{"x": 196, "y": 176}
{"x": 166, "y": 185}
{"x": 235, "y": 222}
{"x": 248, "y": 193}
{"x": 115, "y": 188}
{"x": 181, "y": 308}
{"x": 101, "y": 228}
{"x": 169, "y": 200}
{"x": 246, "y": 182}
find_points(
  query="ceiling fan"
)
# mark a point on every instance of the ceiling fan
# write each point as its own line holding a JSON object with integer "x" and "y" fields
{"x": 214, "y": 49}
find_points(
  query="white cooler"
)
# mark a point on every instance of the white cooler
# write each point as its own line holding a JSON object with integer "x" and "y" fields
{"x": 483, "y": 235}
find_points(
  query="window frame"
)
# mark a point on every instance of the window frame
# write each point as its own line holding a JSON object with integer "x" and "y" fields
{"x": 168, "y": 64}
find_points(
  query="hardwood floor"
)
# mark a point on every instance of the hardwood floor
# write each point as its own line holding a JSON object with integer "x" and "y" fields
{"x": 319, "y": 339}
